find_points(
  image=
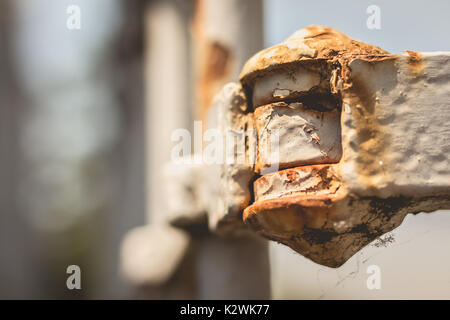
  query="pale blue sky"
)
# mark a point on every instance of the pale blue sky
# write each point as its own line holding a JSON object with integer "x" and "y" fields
{"x": 405, "y": 25}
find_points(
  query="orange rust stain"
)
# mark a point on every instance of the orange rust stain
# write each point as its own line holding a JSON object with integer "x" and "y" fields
{"x": 326, "y": 43}
{"x": 215, "y": 73}
{"x": 216, "y": 61}
{"x": 292, "y": 175}
{"x": 415, "y": 62}
{"x": 213, "y": 63}
{"x": 330, "y": 43}
{"x": 288, "y": 215}
{"x": 372, "y": 140}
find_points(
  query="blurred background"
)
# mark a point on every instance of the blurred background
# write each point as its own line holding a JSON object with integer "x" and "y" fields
{"x": 74, "y": 143}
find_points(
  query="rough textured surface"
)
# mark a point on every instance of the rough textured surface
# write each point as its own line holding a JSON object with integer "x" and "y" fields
{"x": 394, "y": 136}
{"x": 330, "y": 228}
{"x": 306, "y": 180}
{"x": 226, "y": 184}
{"x": 306, "y": 136}
{"x": 281, "y": 85}
{"x": 313, "y": 43}
{"x": 395, "y": 126}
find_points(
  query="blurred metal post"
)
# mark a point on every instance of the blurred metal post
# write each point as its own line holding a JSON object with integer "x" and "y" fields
{"x": 167, "y": 108}
{"x": 17, "y": 264}
{"x": 166, "y": 92}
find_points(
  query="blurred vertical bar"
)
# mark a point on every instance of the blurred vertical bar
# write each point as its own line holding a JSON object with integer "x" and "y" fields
{"x": 167, "y": 107}
{"x": 128, "y": 159}
{"x": 166, "y": 91}
{"x": 17, "y": 277}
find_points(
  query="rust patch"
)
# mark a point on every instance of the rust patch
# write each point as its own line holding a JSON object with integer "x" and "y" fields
{"x": 415, "y": 62}
{"x": 372, "y": 141}
{"x": 320, "y": 180}
{"x": 217, "y": 61}
{"x": 214, "y": 62}
{"x": 287, "y": 216}
{"x": 215, "y": 72}
{"x": 313, "y": 43}
{"x": 292, "y": 175}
